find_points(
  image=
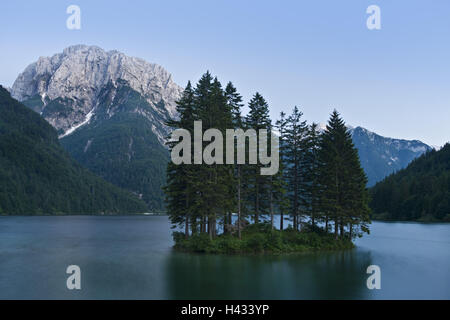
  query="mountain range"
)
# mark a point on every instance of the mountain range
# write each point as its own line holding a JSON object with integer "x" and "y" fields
{"x": 110, "y": 110}
{"x": 380, "y": 156}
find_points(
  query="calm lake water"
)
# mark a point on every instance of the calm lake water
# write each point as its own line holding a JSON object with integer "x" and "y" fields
{"x": 131, "y": 258}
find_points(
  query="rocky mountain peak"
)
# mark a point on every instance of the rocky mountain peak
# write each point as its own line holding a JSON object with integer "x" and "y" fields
{"x": 76, "y": 77}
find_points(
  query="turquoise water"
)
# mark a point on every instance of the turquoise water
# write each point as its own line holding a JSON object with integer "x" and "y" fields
{"x": 131, "y": 257}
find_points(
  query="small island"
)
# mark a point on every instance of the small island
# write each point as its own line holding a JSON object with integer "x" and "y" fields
{"x": 262, "y": 239}
{"x": 228, "y": 207}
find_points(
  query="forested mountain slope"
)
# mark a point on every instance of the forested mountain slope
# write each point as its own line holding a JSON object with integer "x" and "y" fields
{"x": 38, "y": 177}
{"x": 419, "y": 192}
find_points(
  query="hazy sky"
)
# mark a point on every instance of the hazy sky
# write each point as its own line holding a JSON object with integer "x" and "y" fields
{"x": 318, "y": 55}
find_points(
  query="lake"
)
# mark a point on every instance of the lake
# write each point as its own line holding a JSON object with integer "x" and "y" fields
{"x": 130, "y": 257}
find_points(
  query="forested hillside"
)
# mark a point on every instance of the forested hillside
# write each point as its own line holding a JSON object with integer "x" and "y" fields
{"x": 419, "y": 192}
{"x": 38, "y": 177}
{"x": 120, "y": 145}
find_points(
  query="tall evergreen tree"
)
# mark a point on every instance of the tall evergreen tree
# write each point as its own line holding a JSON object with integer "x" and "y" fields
{"x": 296, "y": 130}
{"x": 282, "y": 178}
{"x": 258, "y": 193}
{"x": 310, "y": 167}
{"x": 212, "y": 181}
{"x": 179, "y": 190}
{"x": 234, "y": 103}
{"x": 345, "y": 197}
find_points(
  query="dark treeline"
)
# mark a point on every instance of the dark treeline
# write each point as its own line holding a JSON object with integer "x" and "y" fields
{"x": 320, "y": 185}
{"x": 421, "y": 191}
{"x": 38, "y": 177}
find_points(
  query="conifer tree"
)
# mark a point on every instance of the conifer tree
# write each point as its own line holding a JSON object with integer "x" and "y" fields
{"x": 179, "y": 191}
{"x": 344, "y": 197}
{"x": 296, "y": 130}
{"x": 258, "y": 193}
{"x": 282, "y": 179}
{"x": 212, "y": 181}
{"x": 311, "y": 173}
{"x": 234, "y": 103}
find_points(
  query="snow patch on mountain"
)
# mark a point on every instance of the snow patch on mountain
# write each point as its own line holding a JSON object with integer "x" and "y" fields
{"x": 75, "y": 127}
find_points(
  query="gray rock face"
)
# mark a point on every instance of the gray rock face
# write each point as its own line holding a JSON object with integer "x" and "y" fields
{"x": 65, "y": 88}
{"x": 381, "y": 156}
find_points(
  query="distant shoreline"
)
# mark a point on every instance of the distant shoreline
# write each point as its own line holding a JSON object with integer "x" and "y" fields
{"x": 416, "y": 221}
{"x": 85, "y": 215}
{"x": 165, "y": 214}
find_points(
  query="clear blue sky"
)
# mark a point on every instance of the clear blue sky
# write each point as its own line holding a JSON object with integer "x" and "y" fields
{"x": 318, "y": 55}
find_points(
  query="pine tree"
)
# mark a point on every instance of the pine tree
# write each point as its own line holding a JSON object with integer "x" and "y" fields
{"x": 258, "y": 192}
{"x": 179, "y": 191}
{"x": 311, "y": 173}
{"x": 234, "y": 103}
{"x": 296, "y": 130}
{"x": 282, "y": 199}
{"x": 344, "y": 197}
{"x": 212, "y": 182}
{"x": 356, "y": 197}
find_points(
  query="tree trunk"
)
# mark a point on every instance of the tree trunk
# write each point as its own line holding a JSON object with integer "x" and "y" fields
{"x": 257, "y": 203}
{"x": 336, "y": 211}
{"x": 281, "y": 220}
{"x": 271, "y": 209}
{"x": 351, "y": 231}
{"x": 336, "y": 229}
{"x": 210, "y": 229}
{"x": 295, "y": 204}
{"x": 194, "y": 226}
{"x": 225, "y": 223}
{"x": 186, "y": 227}
{"x": 239, "y": 202}
{"x": 295, "y": 192}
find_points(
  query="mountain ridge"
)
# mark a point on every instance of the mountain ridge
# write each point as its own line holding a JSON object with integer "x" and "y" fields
{"x": 65, "y": 87}
{"x": 381, "y": 156}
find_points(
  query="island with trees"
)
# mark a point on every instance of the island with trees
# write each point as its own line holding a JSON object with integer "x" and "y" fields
{"x": 320, "y": 187}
